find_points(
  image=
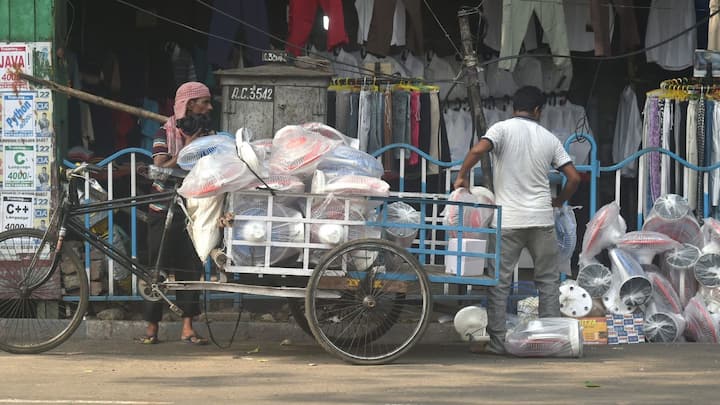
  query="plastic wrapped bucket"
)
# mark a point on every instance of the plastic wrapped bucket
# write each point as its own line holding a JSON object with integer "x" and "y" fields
{"x": 546, "y": 337}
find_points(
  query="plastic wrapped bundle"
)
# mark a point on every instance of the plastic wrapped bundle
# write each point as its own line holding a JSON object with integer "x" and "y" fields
{"x": 401, "y": 213}
{"x": 701, "y": 326}
{"x": 355, "y": 185}
{"x": 297, "y": 151}
{"x": 664, "y": 297}
{"x": 282, "y": 183}
{"x": 565, "y": 231}
{"x": 344, "y": 160}
{"x": 472, "y": 217}
{"x": 216, "y": 174}
{"x": 575, "y": 302}
{"x": 546, "y": 337}
{"x": 604, "y": 229}
{"x": 671, "y": 215}
{"x": 663, "y": 327}
{"x": 204, "y": 146}
{"x": 470, "y": 322}
{"x": 680, "y": 266}
{"x": 203, "y": 227}
{"x": 644, "y": 245}
{"x": 711, "y": 297}
{"x": 252, "y": 230}
{"x": 634, "y": 287}
{"x": 595, "y": 278}
{"x": 331, "y": 133}
{"x": 707, "y": 270}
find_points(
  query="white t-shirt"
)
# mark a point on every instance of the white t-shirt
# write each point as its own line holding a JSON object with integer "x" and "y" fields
{"x": 667, "y": 18}
{"x": 522, "y": 155}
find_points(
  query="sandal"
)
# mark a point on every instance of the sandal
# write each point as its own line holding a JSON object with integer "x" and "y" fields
{"x": 194, "y": 340}
{"x": 148, "y": 340}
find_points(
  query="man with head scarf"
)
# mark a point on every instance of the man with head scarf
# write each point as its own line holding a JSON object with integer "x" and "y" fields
{"x": 178, "y": 251}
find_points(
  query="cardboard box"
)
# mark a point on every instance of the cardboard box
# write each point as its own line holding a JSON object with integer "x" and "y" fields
{"x": 595, "y": 330}
{"x": 624, "y": 329}
{"x": 469, "y": 266}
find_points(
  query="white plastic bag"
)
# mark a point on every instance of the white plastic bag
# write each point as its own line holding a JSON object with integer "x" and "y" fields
{"x": 203, "y": 225}
{"x": 604, "y": 229}
{"x": 356, "y": 185}
{"x": 204, "y": 146}
{"x": 566, "y": 234}
{"x": 671, "y": 215}
{"x": 472, "y": 217}
{"x": 331, "y": 133}
{"x": 216, "y": 174}
{"x": 644, "y": 245}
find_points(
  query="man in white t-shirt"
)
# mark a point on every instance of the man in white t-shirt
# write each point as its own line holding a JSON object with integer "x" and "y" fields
{"x": 522, "y": 153}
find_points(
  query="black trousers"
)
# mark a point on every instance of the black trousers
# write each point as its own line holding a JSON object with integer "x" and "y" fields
{"x": 179, "y": 255}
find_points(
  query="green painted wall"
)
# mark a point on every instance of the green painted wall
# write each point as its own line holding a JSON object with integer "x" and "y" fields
{"x": 26, "y": 20}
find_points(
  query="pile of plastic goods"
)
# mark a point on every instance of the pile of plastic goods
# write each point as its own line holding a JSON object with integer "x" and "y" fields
{"x": 669, "y": 271}
{"x": 469, "y": 216}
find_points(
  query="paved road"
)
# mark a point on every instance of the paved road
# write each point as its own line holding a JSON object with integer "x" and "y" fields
{"x": 122, "y": 372}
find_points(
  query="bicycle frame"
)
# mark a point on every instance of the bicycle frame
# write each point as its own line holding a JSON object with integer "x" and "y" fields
{"x": 71, "y": 210}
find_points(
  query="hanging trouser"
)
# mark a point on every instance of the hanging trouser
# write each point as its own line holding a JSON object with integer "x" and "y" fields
{"x": 365, "y": 117}
{"x": 691, "y": 151}
{"x": 517, "y": 15}
{"x": 222, "y": 26}
{"x": 714, "y": 27}
{"x": 380, "y": 33}
{"x": 542, "y": 245}
{"x": 600, "y": 17}
{"x": 302, "y": 16}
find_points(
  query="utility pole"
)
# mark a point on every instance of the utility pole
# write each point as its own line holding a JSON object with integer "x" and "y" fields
{"x": 472, "y": 81}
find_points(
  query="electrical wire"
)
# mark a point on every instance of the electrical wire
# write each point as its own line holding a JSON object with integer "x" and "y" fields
{"x": 457, "y": 50}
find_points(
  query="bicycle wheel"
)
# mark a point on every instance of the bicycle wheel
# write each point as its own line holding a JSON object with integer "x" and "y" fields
{"x": 384, "y": 302}
{"x": 37, "y": 312}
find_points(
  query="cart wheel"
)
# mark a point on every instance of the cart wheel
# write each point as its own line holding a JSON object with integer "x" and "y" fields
{"x": 383, "y": 307}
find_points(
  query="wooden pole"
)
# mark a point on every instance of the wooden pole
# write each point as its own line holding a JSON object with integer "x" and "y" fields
{"x": 472, "y": 80}
{"x": 91, "y": 98}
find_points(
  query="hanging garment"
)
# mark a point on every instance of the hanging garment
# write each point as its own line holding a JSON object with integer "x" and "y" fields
{"x": 517, "y": 14}
{"x": 715, "y": 155}
{"x": 701, "y": 156}
{"x": 370, "y": 61}
{"x": 500, "y": 82}
{"x": 354, "y": 115}
{"x": 387, "y": 127}
{"x": 628, "y": 131}
{"x": 377, "y": 126}
{"x": 413, "y": 65}
{"x": 555, "y": 78}
{"x": 342, "y": 111}
{"x": 365, "y": 13}
{"x": 577, "y": 17}
{"x": 602, "y": 15}
{"x": 301, "y": 17}
{"x": 365, "y": 117}
{"x": 439, "y": 72}
{"x": 399, "y": 29}
{"x": 331, "y": 105}
{"x": 528, "y": 72}
{"x": 665, "y": 144}
{"x": 222, "y": 26}
{"x": 414, "y": 125}
{"x": 654, "y": 136}
{"x": 344, "y": 64}
{"x": 434, "y": 131}
{"x": 401, "y": 118}
{"x": 493, "y": 13}
{"x": 691, "y": 151}
{"x": 667, "y": 18}
{"x": 714, "y": 27}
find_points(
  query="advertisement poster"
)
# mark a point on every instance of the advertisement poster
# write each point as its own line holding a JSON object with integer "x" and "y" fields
{"x": 19, "y": 167}
{"x": 14, "y": 56}
{"x": 41, "y": 205}
{"x": 17, "y": 212}
{"x": 18, "y": 115}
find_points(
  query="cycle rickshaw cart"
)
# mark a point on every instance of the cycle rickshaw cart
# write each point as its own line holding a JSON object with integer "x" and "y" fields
{"x": 365, "y": 299}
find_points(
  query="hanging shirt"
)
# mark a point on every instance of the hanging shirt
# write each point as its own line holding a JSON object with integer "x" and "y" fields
{"x": 398, "y": 33}
{"x": 528, "y": 72}
{"x": 440, "y": 73}
{"x": 628, "y": 131}
{"x": 500, "y": 82}
{"x": 577, "y": 18}
{"x": 364, "y": 12}
{"x": 667, "y": 18}
{"x": 522, "y": 155}
{"x": 412, "y": 64}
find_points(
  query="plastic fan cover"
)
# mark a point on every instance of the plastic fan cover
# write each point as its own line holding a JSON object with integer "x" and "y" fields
{"x": 701, "y": 326}
{"x": 664, "y": 296}
{"x": 711, "y": 235}
{"x": 401, "y": 213}
{"x": 663, "y": 327}
{"x": 671, "y": 215}
{"x": 204, "y": 146}
{"x": 357, "y": 185}
{"x": 595, "y": 278}
{"x": 470, "y": 322}
{"x": 711, "y": 297}
{"x": 565, "y": 231}
{"x": 707, "y": 270}
{"x": 298, "y": 152}
{"x": 216, "y": 174}
{"x": 546, "y": 337}
{"x": 604, "y": 229}
{"x": 344, "y": 160}
{"x": 670, "y": 206}
{"x": 473, "y": 217}
{"x": 257, "y": 231}
{"x": 644, "y": 245}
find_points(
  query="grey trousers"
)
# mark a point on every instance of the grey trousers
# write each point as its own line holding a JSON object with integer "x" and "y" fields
{"x": 542, "y": 245}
